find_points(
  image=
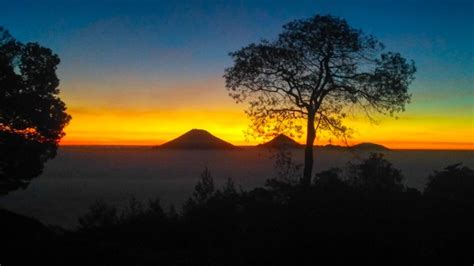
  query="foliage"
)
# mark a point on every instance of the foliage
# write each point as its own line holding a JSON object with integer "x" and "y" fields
{"x": 375, "y": 174}
{"x": 100, "y": 215}
{"x": 333, "y": 219}
{"x": 455, "y": 182}
{"x": 286, "y": 169}
{"x": 204, "y": 189}
{"x": 316, "y": 72}
{"x": 330, "y": 177}
{"x": 32, "y": 116}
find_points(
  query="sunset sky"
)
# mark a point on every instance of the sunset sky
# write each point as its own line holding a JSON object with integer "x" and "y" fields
{"x": 144, "y": 73}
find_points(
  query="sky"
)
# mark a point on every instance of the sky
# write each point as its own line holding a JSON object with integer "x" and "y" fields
{"x": 144, "y": 72}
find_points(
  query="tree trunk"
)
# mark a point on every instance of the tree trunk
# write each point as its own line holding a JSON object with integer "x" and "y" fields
{"x": 308, "y": 151}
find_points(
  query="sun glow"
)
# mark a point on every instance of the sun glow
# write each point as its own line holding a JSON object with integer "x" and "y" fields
{"x": 118, "y": 127}
{"x": 154, "y": 127}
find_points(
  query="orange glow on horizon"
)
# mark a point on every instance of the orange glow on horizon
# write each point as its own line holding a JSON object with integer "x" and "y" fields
{"x": 154, "y": 127}
{"x": 158, "y": 110}
{"x": 394, "y": 145}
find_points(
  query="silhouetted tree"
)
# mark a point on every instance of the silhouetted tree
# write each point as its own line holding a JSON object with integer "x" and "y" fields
{"x": 229, "y": 188}
{"x": 455, "y": 182}
{"x": 286, "y": 168}
{"x": 287, "y": 174}
{"x": 330, "y": 177}
{"x": 100, "y": 215}
{"x": 350, "y": 212}
{"x": 32, "y": 116}
{"x": 205, "y": 187}
{"x": 315, "y": 71}
{"x": 375, "y": 174}
{"x": 203, "y": 190}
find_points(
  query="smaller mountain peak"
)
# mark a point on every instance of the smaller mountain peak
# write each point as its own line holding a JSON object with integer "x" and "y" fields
{"x": 281, "y": 141}
{"x": 370, "y": 146}
{"x": 282, "y": 136}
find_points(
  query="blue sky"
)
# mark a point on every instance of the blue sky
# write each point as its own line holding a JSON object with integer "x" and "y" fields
{"x": 205, "y": 31}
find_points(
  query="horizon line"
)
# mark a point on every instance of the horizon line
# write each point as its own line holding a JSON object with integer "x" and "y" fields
{"x": 257, "y": 145}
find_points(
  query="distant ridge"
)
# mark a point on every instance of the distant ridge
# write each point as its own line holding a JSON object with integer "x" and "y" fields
{"x": 281, "y": 141}
{"x": 197, "y": 139}
{"x": 366, "y": 146}
{"x": 201, "y": 139}
{"x": 370, "y": 147}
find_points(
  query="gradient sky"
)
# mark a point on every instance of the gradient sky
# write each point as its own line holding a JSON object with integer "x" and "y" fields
{"x": 145, "y": 72}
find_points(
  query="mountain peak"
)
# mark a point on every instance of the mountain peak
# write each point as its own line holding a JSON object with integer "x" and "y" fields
{"x": 370, "y": 146}
{"x": 197, "y": 139}
{"x": 364, "y": 146}
{"x": 197, "y": 132}
{"x": 281, "y": 141}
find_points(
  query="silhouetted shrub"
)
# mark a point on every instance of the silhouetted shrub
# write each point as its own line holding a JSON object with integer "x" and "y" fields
{"x": 335, "y": 218}
{"x": 330, "y": 177}
{"x": 228, "y": 191}
{"x": 286, "y": 169}
{"x": 100, "y": 215}
{"x": 375, "y": 174}
{"x": 455, "y": 182}
{"x": 204, "y": 188}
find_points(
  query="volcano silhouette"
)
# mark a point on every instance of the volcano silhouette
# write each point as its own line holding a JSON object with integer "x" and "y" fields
{"x": 365, "y": 146}
{"x": 281, "y": 141}
{"x": 370, "y": 147}
{"x": 197, "y": 139}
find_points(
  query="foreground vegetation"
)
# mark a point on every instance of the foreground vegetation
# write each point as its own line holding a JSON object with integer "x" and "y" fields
{"x": 360, "y": 213}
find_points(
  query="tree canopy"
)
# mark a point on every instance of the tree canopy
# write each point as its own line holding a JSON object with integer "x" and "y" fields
{"x": 454, "y": 182}
{"x": 32, "y": 116}
{"x": 317, "y": 70}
